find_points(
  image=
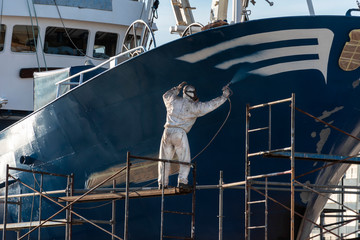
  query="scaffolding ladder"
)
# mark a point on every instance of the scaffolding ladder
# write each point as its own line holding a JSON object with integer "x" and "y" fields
{"x": 191, "y": 214}
{"x": 163, "y": 192}
{"x": 249, "y": 178}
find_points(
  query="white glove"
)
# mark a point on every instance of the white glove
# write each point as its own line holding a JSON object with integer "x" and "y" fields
{"x": 181, "y": 85}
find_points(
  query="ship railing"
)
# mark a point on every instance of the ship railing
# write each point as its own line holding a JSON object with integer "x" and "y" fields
{"x": 113, "y": 62}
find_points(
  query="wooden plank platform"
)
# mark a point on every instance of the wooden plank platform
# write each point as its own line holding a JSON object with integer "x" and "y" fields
{"x": 122, "y": 195}
{"x": 26, "y": 225}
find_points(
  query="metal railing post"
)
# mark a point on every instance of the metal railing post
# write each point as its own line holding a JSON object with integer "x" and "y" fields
{"x": 269, "y": 127}
{"x": 81, "y": 78}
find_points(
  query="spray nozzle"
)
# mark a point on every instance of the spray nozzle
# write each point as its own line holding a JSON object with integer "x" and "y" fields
{"x": 226, "y": 86}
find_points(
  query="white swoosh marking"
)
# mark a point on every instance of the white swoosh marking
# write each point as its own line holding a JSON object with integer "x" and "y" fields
{"x": 322, "y": 49}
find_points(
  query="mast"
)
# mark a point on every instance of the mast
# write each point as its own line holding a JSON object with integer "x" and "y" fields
{"x": 311, "y": 7}
{"x": 238, "y": 6}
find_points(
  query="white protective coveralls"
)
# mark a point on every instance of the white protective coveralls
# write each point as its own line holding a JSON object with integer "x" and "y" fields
{"x": 182, "y": 113}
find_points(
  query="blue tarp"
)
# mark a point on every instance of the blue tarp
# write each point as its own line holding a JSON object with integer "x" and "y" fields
{"x": 94, "y": 4}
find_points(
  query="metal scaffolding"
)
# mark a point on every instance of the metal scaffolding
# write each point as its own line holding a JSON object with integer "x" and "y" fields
{"x": 68, "y": 222}
{"x": 295, "y": 185}
{"x": 69, "y": 199}
{"x": 249, "y": 178}
{"x": 251, "y": 183}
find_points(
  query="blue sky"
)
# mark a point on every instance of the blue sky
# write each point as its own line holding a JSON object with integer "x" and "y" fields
{"x": 260, "y": 10}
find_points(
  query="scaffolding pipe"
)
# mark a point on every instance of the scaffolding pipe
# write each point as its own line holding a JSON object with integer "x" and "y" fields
{"x": 266, "y": 209}
{"x": 21, "y": 195}
{"x": 162, "y": 202}
{"x": 6, "y": 201}
{"x": 289, "y": 209}
{"x": 292, "y": 230}
{"x": 40, "y": 204}
{"x": 113, "y": 213}
{"x": 247, "y": 172}
{"x": 19, "y": 216}
{"x": 193, "y": 203}
{"x": 71, "y": 208}
{"x": 221, "y": 193}
{"x": 69, "y": 205}
{"x": 127, "y": 196}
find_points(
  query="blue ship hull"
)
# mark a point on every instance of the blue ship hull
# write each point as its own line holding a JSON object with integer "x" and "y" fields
{"x": 91, "y": 128}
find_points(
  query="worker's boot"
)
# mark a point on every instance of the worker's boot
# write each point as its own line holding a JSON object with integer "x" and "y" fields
{"x": 184, "y": 187}
{"x": 160, "y": 186}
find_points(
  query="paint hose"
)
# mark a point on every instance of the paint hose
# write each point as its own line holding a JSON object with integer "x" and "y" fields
{"x": 222, "y": 125}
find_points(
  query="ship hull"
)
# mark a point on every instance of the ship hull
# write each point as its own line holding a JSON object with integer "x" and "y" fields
{"x": 91, "y": 128}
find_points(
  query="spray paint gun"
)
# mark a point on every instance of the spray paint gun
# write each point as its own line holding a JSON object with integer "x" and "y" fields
{"x": 226, "y": 87}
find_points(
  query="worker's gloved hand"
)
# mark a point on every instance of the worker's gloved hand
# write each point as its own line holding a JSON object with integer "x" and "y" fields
{"x": 226, "y": 91}
{"x": 181, "y": 85}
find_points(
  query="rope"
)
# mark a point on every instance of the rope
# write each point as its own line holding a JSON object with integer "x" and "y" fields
{"x": 68, "y": 35}
{"x": 33, "y": 32}
{"x": 218, "y": 131}
{"x": 154, "y": 13}
{"x": 41, "y": 44}
{"x": 1, "y": 15}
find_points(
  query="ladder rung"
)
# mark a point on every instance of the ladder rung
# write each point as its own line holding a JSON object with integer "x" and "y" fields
{"x": 257, "y": 129}
{"x": 270, "y": 151}
{"x": 255, "y": 202}
{"x": 256, "y": 227}
{"x": 175, "y": 212}
{"x": 270, "y": 103}
{"x": 269, "y": 175}
{"x": 175, "y": 237}
{"x": 24, "y": 225}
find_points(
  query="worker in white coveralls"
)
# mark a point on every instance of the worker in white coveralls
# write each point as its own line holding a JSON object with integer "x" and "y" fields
{"x": 182, "y": 113}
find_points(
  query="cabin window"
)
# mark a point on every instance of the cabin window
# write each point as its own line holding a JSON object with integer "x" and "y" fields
{"x": 66, "y": 42}
{"x": 105, "y": 45}
{"x": 2, "y": 36}
{"x": 24, "y": 38}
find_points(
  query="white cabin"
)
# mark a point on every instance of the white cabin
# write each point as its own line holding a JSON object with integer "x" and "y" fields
{"x": 34, "y": 36}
